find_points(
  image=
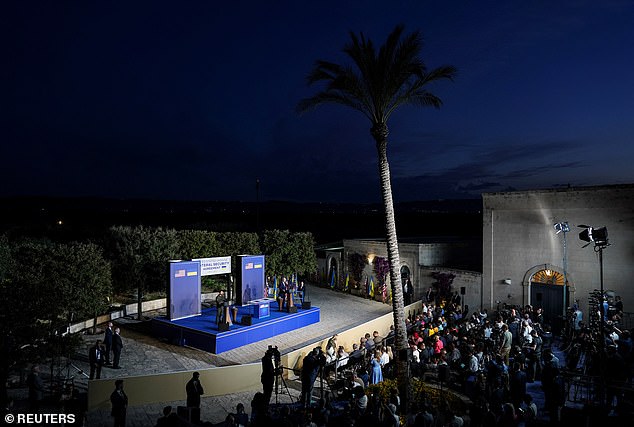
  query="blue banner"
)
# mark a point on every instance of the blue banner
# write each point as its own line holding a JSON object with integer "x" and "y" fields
{"x": 183, "y": 299}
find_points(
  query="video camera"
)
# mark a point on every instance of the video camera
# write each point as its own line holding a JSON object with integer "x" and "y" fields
{"x": 275, "y": 355}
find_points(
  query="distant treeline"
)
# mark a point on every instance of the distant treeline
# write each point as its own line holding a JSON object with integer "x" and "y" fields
{"x": 86, "y": 218}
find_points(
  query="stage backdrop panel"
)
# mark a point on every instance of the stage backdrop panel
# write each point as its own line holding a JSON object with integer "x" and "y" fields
{"x": 214, "y": 266}
{"x": 250, "y": 278}
{"x": 183, "y": 299}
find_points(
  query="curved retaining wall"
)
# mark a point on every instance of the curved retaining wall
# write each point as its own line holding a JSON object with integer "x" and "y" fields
{"x": 144, "y": 389}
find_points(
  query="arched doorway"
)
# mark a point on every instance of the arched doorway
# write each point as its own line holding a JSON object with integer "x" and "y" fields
{"x": 406, "y": 282}
{"x": 405, "y": 273}
{"x": 547, "y": 292}
{"x": 332, "y": 272}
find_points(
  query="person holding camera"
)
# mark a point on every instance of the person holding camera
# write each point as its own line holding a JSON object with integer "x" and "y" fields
{"x": 313, "y": 362}
{"x": 269, "y": 370}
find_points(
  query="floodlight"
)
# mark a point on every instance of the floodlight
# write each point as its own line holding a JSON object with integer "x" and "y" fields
{"x": 600, "y": 236}
{"x": 586, "y": 235}
{"x": 597, "y": 235}
{"x": 562, "y": 227}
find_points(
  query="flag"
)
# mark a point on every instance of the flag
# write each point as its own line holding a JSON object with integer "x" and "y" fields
{"x": 332, "y": 280}
{"x": 347, "y": 281}
{"x": 371, "y": 287}
{"x": 294, "y": 283}
{"x": 367, "y": 286}
{"x": 275, "y": 287}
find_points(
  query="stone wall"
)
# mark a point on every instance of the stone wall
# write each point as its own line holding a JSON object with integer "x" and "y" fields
{"x": 422, "y": 259}
{"x": 470, "y": 280}
{"x": 519, "y": 239}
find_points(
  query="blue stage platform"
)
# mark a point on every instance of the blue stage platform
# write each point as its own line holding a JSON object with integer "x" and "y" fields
{"x": 202, "y": 332}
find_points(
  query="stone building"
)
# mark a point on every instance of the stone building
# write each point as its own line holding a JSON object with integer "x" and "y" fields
{"x": 419, "y": 259}
{"x": 526, "y": 261}
{"x": 522, "y": 258}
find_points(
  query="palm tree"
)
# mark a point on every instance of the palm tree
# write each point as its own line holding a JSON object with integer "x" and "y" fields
{"x": 378, "y": 84}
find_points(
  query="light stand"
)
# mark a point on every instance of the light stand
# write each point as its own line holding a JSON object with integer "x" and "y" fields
{"x": 603, "y": 313}
{"x": 563, "y": 227}
{"x": 598, "y": 236}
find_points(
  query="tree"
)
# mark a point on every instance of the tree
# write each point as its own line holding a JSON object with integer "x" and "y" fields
{"x": 201, "y": 244}
{"x": 46, "y": 286}
{"x": 288, "y": 253}
{"x": 378, "y": 83}
{"x": 356, "y": 264}
{"x": 443, "y": 285}
{"x": 198, "y": 244}
{"x": 140, "y": 256}
{"x": 381, "y": 269}
{"x": 236, "y": 243}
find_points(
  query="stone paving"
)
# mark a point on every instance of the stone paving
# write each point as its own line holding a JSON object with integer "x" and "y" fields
{"x": 142, "y": 354}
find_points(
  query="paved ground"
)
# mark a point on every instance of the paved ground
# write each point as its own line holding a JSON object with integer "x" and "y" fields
{"x": 143, "y": 354}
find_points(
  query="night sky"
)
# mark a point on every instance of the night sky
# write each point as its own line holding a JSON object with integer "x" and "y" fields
{"x": 196, "y": 99}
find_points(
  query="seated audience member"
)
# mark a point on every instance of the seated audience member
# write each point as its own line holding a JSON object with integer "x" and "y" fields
{"x": 241, "y": 417}
{"x": 342, "y": 357}
{"x": 169, "y": 418}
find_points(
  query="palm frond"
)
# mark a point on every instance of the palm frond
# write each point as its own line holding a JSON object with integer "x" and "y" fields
{"x": 320, "y": 98}
{"x": 378, "y": 81}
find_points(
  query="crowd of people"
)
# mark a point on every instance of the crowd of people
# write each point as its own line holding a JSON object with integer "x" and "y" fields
{"x": 488, "y": 357}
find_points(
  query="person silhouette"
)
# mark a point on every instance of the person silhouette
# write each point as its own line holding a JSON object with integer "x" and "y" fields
{"x": 119, "y": 401}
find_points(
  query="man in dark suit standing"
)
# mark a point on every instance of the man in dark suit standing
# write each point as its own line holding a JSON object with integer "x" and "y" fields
{"x": 119, "y": 402}
{"x": 408, "y": 291}
{"x": 36, "y": 388}
{"x": 107, "y": 340}
{"x": 96, "y": 359}
{"x": 194, "y": 390}
{"x": 117, "y": 346}
{"x": 221, "y": 303}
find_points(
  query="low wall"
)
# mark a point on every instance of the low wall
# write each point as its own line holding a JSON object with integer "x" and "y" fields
{"x": 223, "y": 380}
{"x": 128, "y": 310}
{"x": 168, "y": 387}
{"x": 346, "y": 338}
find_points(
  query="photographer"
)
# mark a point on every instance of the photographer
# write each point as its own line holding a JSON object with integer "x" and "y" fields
{"x": 270, "y": 368}
{"x": 533, "y": 356}
{"x": 313, "y": 362}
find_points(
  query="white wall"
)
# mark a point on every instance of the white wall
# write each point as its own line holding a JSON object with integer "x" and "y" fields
{"x": 518, "y": 236}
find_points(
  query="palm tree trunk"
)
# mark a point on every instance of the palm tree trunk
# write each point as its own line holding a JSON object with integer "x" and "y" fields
{"x": 380, "y": 133}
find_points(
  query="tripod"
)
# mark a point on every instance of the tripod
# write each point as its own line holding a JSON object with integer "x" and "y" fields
{"x": 279, "y": 382}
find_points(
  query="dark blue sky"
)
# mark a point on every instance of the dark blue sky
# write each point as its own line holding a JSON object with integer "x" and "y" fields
{"x": 195, "y": 100}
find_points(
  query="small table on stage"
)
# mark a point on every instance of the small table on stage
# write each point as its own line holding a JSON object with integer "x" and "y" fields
{"x": 260, "y": 308}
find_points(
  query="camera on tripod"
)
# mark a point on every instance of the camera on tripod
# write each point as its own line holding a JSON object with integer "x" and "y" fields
{"x": 276, "y": 357}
